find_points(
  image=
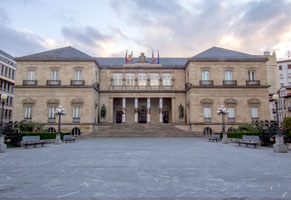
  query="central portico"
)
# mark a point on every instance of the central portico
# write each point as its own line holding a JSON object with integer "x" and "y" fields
{"x": 142, "y": 110}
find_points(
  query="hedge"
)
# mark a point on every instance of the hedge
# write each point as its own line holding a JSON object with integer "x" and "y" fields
{"x": 43, "y": 135}
{"x": 239, "y": 135}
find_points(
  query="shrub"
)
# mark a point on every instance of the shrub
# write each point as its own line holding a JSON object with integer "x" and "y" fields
{"x": 239, "y": 135}
{"x": 43, "y": 135}
{"x": 30, "y": 126}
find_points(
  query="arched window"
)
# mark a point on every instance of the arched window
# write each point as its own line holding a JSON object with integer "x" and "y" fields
{"x": 207, "y": 131}
{"x": 76, "y": 131}
{"x": 51, "y": 130}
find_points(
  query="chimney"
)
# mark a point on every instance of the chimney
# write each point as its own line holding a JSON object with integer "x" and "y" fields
{"x": 266, "y": 53}
{"x": 274, "y": 53}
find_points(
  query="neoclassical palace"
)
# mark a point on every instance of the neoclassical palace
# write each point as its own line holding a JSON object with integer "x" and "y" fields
{"x": 179, "y": 91}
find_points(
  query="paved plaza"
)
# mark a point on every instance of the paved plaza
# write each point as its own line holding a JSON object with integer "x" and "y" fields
{"x": 144, "y": 167}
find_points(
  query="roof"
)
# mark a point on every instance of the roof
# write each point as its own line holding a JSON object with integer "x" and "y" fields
{"x": 6, "y": 55}
{"x": 65, "y": 53}
{"x": 118, "y": 62}
{"x": 283, "y": 61}
{"x": 216, "y": 53}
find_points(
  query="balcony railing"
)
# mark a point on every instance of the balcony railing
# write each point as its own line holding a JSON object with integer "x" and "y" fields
{"x": 76, "y": 120}
{"x": 53, "y": 82}
{"x": 274, "y": 110}
{"x": 51, "y": 120}
{"x": 77, "y": 82}
{"x": 231, "y": 120}
{"x": 206, "y": 82}
{"x": 29, "y": 82}
{"x": 207, "y": 119}
{"x": 229, "y": 82}
{"x": 255, "y": 119}
{"x": 253, "y": 83}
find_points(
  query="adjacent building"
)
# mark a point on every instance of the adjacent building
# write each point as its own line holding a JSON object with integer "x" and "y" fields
{"x": 7, "y": 81}
{"x": 179, "y": 91}
{"x": 284, "y": 72}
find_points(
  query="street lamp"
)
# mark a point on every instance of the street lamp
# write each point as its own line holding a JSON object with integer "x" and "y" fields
{"x": 59, "y": 111}
{"x": 3, "y": 146}
{"x": 223, "y": 111}
{"x": 279, "y": 146}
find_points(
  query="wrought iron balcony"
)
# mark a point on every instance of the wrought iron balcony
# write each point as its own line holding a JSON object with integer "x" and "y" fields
{"x": 76, "y": 120}
{"x": 207, "y": 119}
{"x": 255, "y": 119}
{"x": 29, "y": 82}
{"x": 231, "y": 120}
{"x": 206, "y": 82}
{"x": 53, "y": 82}
{"x": 229, "y": 82}
{"x": 77, "y": 82}
{"x": 253, "y": 83}
{"x": 274, "y": 110}
{"x": 51, "y": 120}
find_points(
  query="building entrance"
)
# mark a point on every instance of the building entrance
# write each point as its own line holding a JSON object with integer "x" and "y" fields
{"x": 165, "y": 116}
{"x": 118, "y": 117}
{"x": 142, "y": 114}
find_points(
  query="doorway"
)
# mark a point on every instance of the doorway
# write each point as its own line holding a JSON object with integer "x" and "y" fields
{"x": 118, "y": 117}
{"x": 165, "y": 116}
{"x": 142, "y": 114}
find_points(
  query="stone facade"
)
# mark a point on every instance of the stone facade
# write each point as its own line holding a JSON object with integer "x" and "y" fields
{"x": 175, "y": 90}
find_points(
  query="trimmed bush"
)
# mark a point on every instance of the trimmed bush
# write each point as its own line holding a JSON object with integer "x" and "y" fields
{"x": 43, "y": 135}
{"x": 239, "y": 135}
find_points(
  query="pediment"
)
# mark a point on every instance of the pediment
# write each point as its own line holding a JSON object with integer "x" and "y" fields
{"x": 77, "y": 101}
{"x": 230, "y": 101}
{"x": 53, "y": 101}
{"x": 206, "y": 101}
{"x": 254, "y": 101}
{"x": 28, "y": 101}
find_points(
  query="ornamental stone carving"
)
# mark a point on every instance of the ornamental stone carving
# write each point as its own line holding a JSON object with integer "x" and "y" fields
{"x": 77, "y": 101}
{"x": 28, "y": 101}
{"x": 230, "y": 101}
{"x": 53, "y": 101}
{"x": 206, "y": 101}
{"x": 254, "y": 101}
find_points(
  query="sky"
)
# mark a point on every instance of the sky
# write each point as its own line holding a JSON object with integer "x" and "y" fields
{"x": 184, "y": 28}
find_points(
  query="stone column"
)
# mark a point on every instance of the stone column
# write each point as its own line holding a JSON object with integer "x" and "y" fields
{"x": 149, "y": 110}
{"x": 161, "y": 110}
{"x": 174, "y": 109}
{"x": 123, "y": 109}
{"x": 110, "y": 110}
{"x": 135, "y": 110}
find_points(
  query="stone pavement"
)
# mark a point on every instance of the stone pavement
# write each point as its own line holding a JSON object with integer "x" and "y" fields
{"x": 144, "y": 168}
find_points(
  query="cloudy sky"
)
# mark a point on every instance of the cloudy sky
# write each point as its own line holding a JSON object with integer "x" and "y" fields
{"x": 176, "y": 28}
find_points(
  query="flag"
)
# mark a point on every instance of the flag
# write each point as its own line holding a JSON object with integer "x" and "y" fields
{"x": 130, "y": 57}
{"x": 153, "y": 57}
{"x": 158, "y": 57}
{"x": 126, "y": 57}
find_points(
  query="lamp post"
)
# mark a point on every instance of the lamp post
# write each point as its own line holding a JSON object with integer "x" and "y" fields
{"x": 59, "y": 111}
{"x": 279, "y": 146}
{"x": 223, "y": 111}
{"x": 3, "y": 146}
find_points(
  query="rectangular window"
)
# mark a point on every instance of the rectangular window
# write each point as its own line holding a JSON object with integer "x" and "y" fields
{"x": 251, "y": 75}
{"x": 205, "y": 75}
{"x": 207, "y": 112}
{"x": 13, "y": 74}
{"x": 129, "y": 77}
{"x": 51, "y": 113}
{"x": 254, "y": 113}
{"x": 9, "y": 73}
{"x": 289, "y": 66}
{"x": 27, "y": 112}
{"x": 117, "y": 79}
{"x": 31, "y": 75}
{"x": 142, "y": 79}
{"x": 154, "y": 79}
{"x": 228, "y": 75}
{"x": 281, "y": 76}
{"x": 167, "y": 79}
{"x": 230, "y": 112}
{"x": 78, "y": 75}
{"x": 76, "y": 112}
{"x": 54, "y": 75}
{"x": 280, "y": 67}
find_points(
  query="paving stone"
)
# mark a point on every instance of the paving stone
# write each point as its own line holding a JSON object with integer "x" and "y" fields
{"x": 144, "y": 168}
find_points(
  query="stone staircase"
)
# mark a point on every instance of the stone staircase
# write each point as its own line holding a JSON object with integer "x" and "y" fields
{"x": 139, "y": 130}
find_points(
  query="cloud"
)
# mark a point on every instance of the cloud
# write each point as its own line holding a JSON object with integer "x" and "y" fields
{"x": 187, "y": 28}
